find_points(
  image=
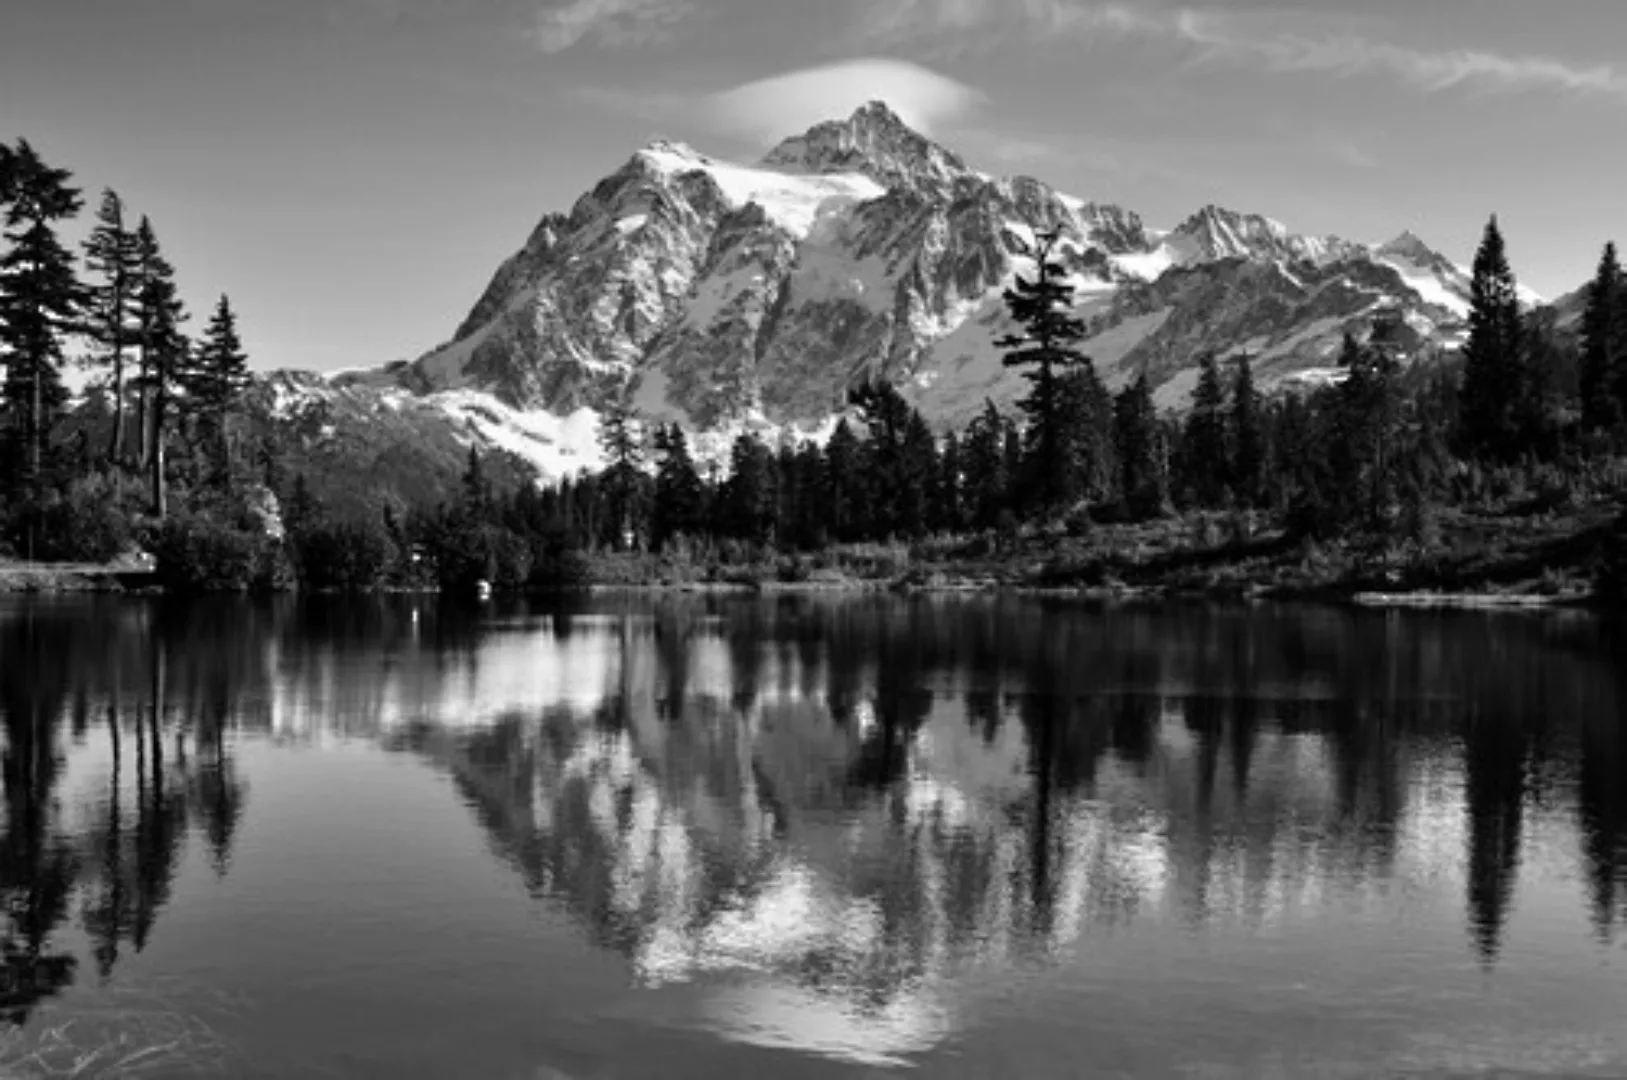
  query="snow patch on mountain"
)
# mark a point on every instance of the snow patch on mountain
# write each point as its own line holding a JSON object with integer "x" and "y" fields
{"x": 1145, "y": 265}
{"x": 556, "y": 446}
{"x": 793, "y": 202}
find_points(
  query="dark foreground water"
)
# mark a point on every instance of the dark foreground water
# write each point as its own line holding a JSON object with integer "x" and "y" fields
{"x": 809, "y": 838}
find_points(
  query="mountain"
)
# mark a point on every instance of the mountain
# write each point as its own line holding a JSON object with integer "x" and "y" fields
{"x": 722, "y": 294}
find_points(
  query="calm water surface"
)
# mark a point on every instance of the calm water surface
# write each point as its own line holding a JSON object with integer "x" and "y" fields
{"x": 807, "y": 838}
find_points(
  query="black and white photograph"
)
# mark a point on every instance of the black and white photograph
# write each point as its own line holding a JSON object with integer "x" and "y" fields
{"x": 809, "y": 539}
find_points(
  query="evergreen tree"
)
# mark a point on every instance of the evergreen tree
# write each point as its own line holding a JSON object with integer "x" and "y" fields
{"x": 1363, "y": 438}
{"x": 1604, "y": 346}
{"x": 984, "y": 465}
{"x": 1248, "y": 448}
{"x": 680, "y": 497}
{"x": 1090, "y": 417}
{"x": 918, "y": 476}
{"x": 302, "y": 511}
{"x": 1543, "y": 361}
{"x": 1204, "y": 439}
{"x": 891, "y": 473}
{"x": 790, "y": 495}
{"x": 1138, "y": 442}
{"x": 1012, "y": 449}
{"x": 845, "y": 489}
{"x": 1493, "y": 377}
{"x": 750, "y": 498}
{"x": 812, "y": 528}
{"x": 476, "y": 489}
{"x": 949, "y": 507}
{"x": 215, "y": 383}
{"x": 623, "y": 477}
{"x": 1297, "y": 454}
{"x": 111, "y": 315}
{"x": 163, "y": 353}
{"x": 40, "y": 300}
{"x": 1043, "y": 307}
{"x": 1084, "y": 430}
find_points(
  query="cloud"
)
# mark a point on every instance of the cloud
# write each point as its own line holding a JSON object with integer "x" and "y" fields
{"x": 771, "y": 108}
{"x": 1222, "y": 39}
{"x": 608, "y": 22}
{"x": 1281, "y": 42}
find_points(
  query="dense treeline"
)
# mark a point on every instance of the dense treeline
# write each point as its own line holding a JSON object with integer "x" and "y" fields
{"x": 158, "y": 454}
{"x": 1375, "y": 453}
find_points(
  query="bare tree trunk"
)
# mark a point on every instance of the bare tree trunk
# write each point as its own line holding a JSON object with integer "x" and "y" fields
{"x": 115, "y": 445}
{"x": 36, "y": 423}
{"x": 143, "y": 411}
{"x": 156, "y": 451}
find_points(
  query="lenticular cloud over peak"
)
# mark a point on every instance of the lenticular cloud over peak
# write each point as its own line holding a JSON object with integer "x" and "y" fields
{"x": 770, "y": 108}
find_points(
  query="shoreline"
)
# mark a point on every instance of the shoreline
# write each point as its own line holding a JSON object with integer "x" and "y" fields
{"x": 47, "y": 579}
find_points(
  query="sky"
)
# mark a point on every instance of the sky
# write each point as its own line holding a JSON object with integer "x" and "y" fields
{"x": 351, "y": 172}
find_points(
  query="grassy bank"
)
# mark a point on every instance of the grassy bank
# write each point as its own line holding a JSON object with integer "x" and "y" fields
{"x": 1472, "y": 558}
{"x": 32, "y": 577}
{"x": 1469, "y": 559}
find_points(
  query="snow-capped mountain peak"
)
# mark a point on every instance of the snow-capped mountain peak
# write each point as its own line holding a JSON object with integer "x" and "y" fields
{"x": 1411, "y": 246}
{"x": 874, "y": 142}
{"x": 1215, "y": 232}
{"x": 723, "y": 294}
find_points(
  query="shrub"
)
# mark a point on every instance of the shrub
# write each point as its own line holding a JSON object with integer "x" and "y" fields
{"x": 197, "y": 553}
{"x": 343, "y": 555}
{"x": 86, "y": 522}
{"x": 511, "y": 558}
{"x": 557, "y": 565}
{"x": 1610, "y": 585}
{"x": 1078, "y": 523}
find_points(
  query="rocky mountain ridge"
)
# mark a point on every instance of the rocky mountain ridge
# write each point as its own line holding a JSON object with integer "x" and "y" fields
{"x": 723, "y": 295}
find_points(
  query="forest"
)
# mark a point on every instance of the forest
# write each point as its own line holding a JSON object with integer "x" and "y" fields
{"x": 1499, "y": 467}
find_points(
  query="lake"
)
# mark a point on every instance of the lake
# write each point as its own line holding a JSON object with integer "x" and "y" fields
{"x": 808, "y": 837}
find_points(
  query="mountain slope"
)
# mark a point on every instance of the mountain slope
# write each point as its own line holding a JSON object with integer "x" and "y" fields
{"x": 722, "y": 294}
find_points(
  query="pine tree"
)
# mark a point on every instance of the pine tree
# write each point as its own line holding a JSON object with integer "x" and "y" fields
{"x": 984, "y": 465}
{"x": 1012, "y": 465}
{"x": 812, "y": 528}
{"x": 476, "y": 489}
{"x": 680, "y": 497}
{"x": 111, "y": 311}
{"x": 163, "y": 354}
{"x": 1493, "y": 379}
{"x": 749, "y": 497}
{"x": 1604, "y": 346}
{"x": 1204, "y": 439}
{"x": 40, "y": 299}
{"x": 1363, "y": 440}
{"x": 215, "y": 384}
{"x": 623, "y": 478}
{"x": 1248, "y": 447}
{"x": 918, "y": 476}
{"x": 1089, "y": 411}
{"x": 846, "y": 494}
{"x": 1042, "y": 306}
{"x": 949, "y": 504}
{"x": 1139, "y": 451}
{"x": 902, "y": 459}
{"x": 303, "y": 510}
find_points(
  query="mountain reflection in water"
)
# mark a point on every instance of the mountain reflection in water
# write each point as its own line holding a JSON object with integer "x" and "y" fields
{"x": 845, "y": 826}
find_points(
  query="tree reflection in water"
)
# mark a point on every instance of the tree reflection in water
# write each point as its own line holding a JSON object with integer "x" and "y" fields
{"x": 166, "y": 685}
{"x": 829, "y": 811}
{"x": 864, "y": 800}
